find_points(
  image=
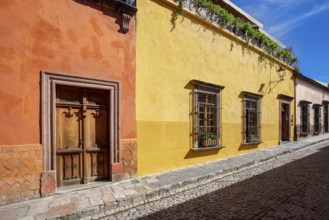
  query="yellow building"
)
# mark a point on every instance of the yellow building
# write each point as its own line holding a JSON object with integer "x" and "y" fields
{"x": 204, "y": 93}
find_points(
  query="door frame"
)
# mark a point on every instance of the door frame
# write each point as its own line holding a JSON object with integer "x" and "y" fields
{"x": 49, "y": 80}
{"x": 285, "y": 100}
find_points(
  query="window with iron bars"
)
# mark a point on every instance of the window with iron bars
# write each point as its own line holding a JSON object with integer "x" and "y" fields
{"x": 206, "y": 116}
{"x": 305, "y": 118}
{"x": 317, "y": 119}
{"x": 251, "y": 119}
{"x": 326, "y": 118}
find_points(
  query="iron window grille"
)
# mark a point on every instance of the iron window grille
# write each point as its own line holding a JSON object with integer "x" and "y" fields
{"x": 251, "y": 117}
{"x": 206, "y": 115}
{"x": 326, "y": 118}
{"x": 305, "y": 118}
{"x": 317, "y": 119}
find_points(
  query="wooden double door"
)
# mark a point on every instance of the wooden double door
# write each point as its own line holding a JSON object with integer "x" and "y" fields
{"x": 82, "y": 135}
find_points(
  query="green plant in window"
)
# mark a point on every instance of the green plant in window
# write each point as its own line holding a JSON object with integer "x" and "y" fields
{"x": 253, "y": 136}
{"x": 253, "y": 132}
{"x": 206, "y": 135}
{"x": 207, "y": 138}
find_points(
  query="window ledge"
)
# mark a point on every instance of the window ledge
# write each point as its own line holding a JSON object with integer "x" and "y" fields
{"x": 207, "y": 148}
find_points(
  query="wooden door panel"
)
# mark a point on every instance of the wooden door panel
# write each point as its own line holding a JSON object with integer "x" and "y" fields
{"x": 97, "y": 142}
{"x": 93, "y": 164}
{"x": 67, "y": 172}
{"x": 75, "y": 166}
{"x": 68, "y": 128}
{"x": 69, "y": 167}
{"x": 97, "y": 130}
{"x": 98, "y": 166}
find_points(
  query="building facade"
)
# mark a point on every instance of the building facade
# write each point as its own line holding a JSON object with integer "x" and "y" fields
{"x": 67, "y": 95}
{"x": 203, "y": 92}
{"x": 312, "y": 101}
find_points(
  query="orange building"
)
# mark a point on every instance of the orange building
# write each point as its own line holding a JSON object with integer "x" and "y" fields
{"x": 67, "y": 95}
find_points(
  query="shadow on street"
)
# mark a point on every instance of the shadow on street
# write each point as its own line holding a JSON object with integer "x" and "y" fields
{"x": 298, "y": 190}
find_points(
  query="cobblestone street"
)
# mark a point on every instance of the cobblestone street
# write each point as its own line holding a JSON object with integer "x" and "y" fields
{"x": 292, "y": 186}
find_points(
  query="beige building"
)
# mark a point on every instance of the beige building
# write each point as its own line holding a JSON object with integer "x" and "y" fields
{"x": 312, "y": 101}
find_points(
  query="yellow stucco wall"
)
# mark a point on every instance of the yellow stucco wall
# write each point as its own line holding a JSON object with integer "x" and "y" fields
{"x": 168, "y": 58}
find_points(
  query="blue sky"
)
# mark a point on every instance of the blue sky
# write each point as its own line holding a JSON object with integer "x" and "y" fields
{"x": 302, "y": 25}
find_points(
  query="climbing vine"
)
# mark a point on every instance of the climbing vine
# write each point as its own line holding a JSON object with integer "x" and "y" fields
{"x": 224, "y": 19}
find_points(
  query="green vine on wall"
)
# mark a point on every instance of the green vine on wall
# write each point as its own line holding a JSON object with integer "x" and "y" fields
{"x": 224, "y": 19}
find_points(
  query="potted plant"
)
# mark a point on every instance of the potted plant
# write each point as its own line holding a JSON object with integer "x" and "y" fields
{"x": 253, "y": 136}
{"x": 207, "y": 138}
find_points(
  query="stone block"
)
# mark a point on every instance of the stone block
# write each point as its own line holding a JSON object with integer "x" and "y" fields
{"x": 48, "y": 183}
{"x": 14, "y": 213}
{"x": 140, "y": 189}
{"x": 130, "y": 192}
{"x": 96, "y": 201}
{"x": 60, "y": 210}
{"x": 109, "y": 198}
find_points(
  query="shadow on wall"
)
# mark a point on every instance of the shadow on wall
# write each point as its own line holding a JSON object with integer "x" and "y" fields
{"x": 105, "y": 11}
{"x": 174, "y": 15}
{"x": 243, "y": 147}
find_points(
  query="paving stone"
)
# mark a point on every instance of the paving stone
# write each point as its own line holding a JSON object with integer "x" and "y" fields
{"x": 14, "y": 213}
{"x": 140, "y": 189}
{"x": 94, "y": 201}
{"x": 109, "y": 198}
{"x": 118, "y": 195}
{"x": 117, "y": 188}
{"x": 130, "y": 192}
{"x": 106, "y": 190}
{"x": 59, "y": 200}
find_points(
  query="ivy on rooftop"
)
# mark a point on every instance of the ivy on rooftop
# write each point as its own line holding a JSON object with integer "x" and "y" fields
{"x": 218, "y": 15}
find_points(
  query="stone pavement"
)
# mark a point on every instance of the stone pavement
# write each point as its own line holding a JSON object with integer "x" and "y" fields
{"x": 97, "y": 200}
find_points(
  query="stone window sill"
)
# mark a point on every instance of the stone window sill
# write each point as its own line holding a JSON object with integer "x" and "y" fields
{"x": 218, "y": 147}
{"x": 253, "y": 143}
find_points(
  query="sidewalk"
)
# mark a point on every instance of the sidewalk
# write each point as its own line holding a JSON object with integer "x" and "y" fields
{"x": 100, "y": 199}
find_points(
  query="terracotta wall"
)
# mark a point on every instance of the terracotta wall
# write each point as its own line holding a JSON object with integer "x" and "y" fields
{"x": 67, "y": 36}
